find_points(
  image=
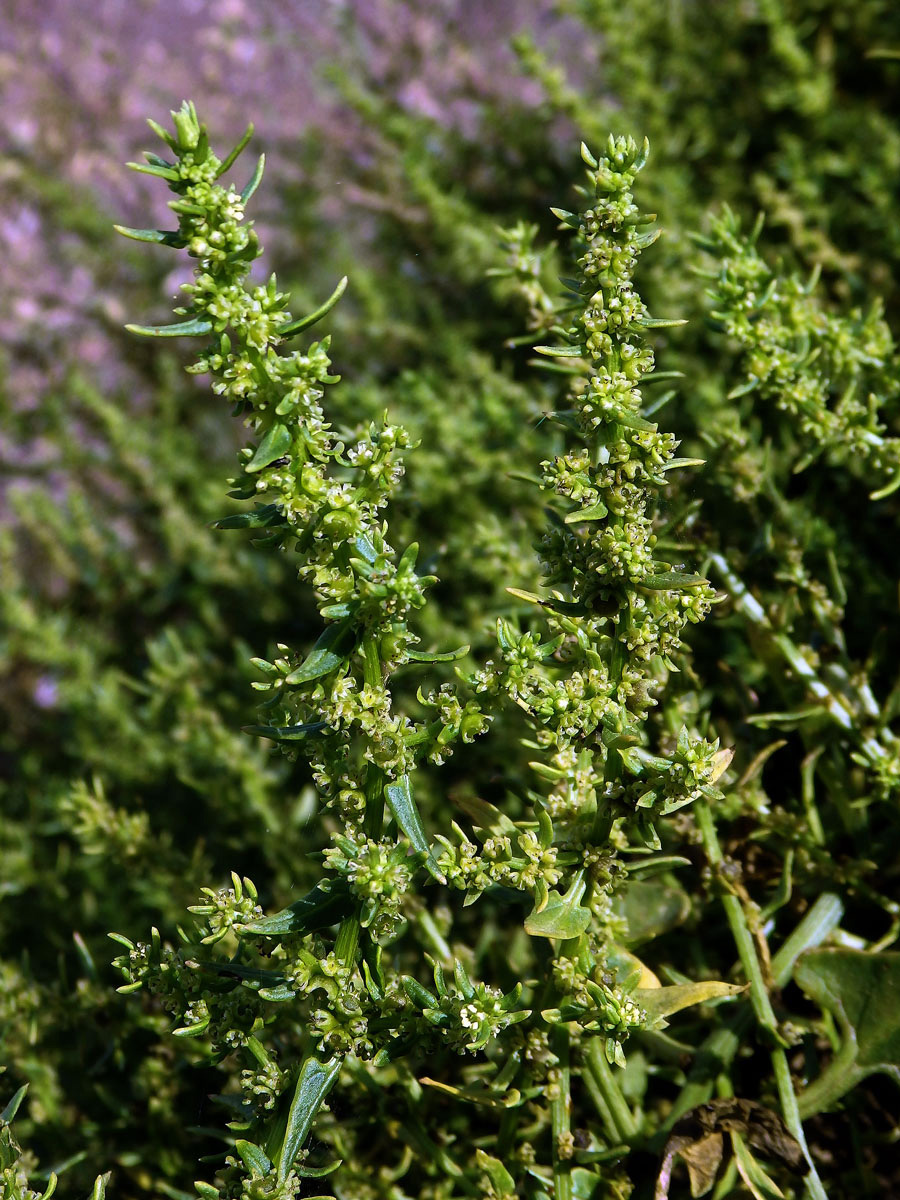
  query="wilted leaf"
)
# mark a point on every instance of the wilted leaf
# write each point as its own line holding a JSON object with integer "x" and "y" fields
{"x": 475, "y": 1094}
{"x": 697, "y": 1138}
{"x": 662, "y": 1002}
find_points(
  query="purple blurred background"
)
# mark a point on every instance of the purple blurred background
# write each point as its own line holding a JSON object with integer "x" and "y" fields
{"x": 77, "y": 82}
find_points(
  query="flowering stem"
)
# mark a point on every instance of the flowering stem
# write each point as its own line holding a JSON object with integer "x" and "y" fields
{"x": 600, "y": 1074}
{"x": 560, "y": 1116}
{"x": 759, "y": 995}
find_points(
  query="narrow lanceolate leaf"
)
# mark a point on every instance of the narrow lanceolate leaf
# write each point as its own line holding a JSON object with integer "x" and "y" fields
{"x": 274, "y": 445}
{"x": 164, "y": 237}
{"x": 561, "y": 351}
{"x": 305, "y": 322}
{"x": 318, "y": 1173}
{"x": 167, "y": 173}
{"x": 231, "y": 158}
{"x": 195, "y": 327}
{"x": 316, "y": 910}
{"x": 13, "y": 1107}
{"x": 287, "y": 733}
{"x": 263, "y": 517}
{"x": 674, "y": 463}
{"x": 595, "y": 512}
{"x": 255, "y": 180}
{"x": 672, "y": 581}
{"x": 329, "y": 652}
{"x": 253, "y": 1157}
{"x": 565, "y": 607}
{"x": 315, "y": 1081}
{"x": 658, "y": 322}
{"x": 402, "y": 804}
{"x": 573, "y": 220}
{"x": 435, "y": 656}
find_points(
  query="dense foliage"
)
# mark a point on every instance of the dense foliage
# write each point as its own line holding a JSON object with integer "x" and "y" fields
{"x": 559, "y": 858}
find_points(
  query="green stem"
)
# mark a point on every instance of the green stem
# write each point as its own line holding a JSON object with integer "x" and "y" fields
{"x": 601, "y": 1073}
{"x": 759, "y": 995}
{"x": 429, "y": 927}
{"x": 612, "y": 1130}
{"x": 791, "y": 1114}
{"x": 740, "y": 931}
{"x": 560, "y": 1115}
{"x": 347, "y": 941}
{"x": 720, "y": 1048}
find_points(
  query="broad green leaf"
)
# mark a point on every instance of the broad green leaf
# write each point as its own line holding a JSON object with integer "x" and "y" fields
{"x": 279, "y": 994}
{"x": 586, "y": 1185}
{"x": 192, "y": 328}
{"x": 334, "y": 612}
{"x": 650, "y": 908}
{"x": 484, "y": 815}
{"x": 662, "y": 1002}
{"x": 402, "y": 804}
{"x": 274, "y": 445}
{"x": 862, "y": 992}
{"x": 561, "y": 916}
{"x": 316, "y": 910}
{"x": 314, "y": 1082}
{"x": 329, "y": 652}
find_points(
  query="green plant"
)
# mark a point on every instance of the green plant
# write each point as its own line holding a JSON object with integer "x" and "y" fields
{"x": 512, "y": 899}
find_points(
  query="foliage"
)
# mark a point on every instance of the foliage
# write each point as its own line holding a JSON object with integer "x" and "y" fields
{"x": 593, "y": 842}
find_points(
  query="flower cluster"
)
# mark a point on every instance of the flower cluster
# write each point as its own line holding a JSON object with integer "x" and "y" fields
{"x": 831, "y": 375}
{"x": 321, "y": 979}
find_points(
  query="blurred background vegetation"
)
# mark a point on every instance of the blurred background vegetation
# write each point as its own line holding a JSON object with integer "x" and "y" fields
{"x": 399, "y": 136}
